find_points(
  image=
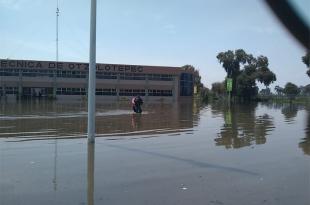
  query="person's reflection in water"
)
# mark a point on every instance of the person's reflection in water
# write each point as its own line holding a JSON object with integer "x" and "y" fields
{"x": 241, "y": 126}
{"x": 90, "y": 173}
{"x": 136, "y": 121}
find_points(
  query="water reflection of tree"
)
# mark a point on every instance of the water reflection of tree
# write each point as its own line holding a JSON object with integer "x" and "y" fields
{"x": 289, "y": 112}
{"x": 305, "y": 143}
{"x": 242, "y": 127}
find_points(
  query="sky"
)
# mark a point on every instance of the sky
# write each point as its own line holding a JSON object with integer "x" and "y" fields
{"x": 154, "y": 32}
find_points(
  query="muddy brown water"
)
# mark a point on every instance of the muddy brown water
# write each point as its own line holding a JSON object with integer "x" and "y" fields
{"x": 180, "y": 153}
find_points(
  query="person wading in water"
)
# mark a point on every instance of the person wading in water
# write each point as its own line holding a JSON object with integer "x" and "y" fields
{"x": 136, "y": 104}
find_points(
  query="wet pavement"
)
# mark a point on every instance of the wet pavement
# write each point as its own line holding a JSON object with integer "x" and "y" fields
{"x": 182, "y": 153}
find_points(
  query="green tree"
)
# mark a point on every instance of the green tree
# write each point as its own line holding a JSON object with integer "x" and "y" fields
{"x": 231, "y": 62}
{"x": 265, "y": 91}
{"x": 246, "y": 83}
{"x": 306, "y": 60}
{"x": 218, "y": 88}
{"x": 245, "y": 70}
{"x": 264, "y": 75}
{"x": 305, "y": 90}
{"x": 279, "y": 90}
{"x": 291, "y": 91}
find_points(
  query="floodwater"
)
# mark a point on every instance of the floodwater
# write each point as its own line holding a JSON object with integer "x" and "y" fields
{"x": 182, "y": 153}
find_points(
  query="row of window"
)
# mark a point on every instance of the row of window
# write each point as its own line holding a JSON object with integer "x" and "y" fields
{"x": 113, "y": 92}
{"x": 9, "y": 90}
{"x": 160, "y": 92}
{"x": 83, "y": 74}
{"x": 131, "y": 92}
{"x": 105, "y": 91}
{"x": 99, "y": 91}
{"x": 70, "y": 91}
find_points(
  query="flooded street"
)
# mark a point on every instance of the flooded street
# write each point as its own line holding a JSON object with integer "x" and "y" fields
{"x": 182, "y": 153}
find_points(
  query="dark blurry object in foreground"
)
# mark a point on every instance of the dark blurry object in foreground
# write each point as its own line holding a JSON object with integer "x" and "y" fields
{"x": 291, "y": 20}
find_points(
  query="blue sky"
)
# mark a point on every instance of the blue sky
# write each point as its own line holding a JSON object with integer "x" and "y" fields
{"x": 153, "y": 32}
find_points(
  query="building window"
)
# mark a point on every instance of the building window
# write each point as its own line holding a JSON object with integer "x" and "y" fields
{"x": 131, "y": 92}
{"x": 105, "y": 91}
{"x": 160, "y": 92}
{"x": 37, "y": 73}
{"x": 106, "y": 75}
{"x": 160, "y": 77}
{"x": 70, "y": 91}
{"x": 9, "y": 72}
{"x": 132, "y": 76}
{"x": 186, "y": 84}
{"x": 11, "y": 90}
{"x": 71, "y": 74}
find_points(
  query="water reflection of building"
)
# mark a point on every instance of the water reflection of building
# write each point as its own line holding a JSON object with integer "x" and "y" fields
{"x": 156, "y": 119}
{"x": 46, "y": 120}
{"x": 242, "y": 127}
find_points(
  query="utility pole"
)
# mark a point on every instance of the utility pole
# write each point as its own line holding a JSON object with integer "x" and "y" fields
{"x": 56, "y": 64}
{"x": 92, "y": 75}
{"x": 57, "y": 15}
{"x": 54, "y": 96}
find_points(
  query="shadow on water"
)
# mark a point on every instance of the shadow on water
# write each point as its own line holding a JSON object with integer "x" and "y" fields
{"x": 189, "y": 161}
{"x": 242, "y": 127}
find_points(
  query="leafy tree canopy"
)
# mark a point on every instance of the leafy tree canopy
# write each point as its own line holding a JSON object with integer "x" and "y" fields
{"x": 279, "y": 90}
{"x": 291, "y": 90}
{"x": 218, "y": 88}
{"x": 306, "y": 60}
{"x": 245, "y": 70}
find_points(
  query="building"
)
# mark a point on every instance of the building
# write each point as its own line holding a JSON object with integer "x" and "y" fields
{"x": 69, "y": 80}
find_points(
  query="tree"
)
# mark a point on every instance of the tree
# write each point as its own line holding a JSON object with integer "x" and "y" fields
{"x": 245, "y": 69}
{"x": 291, "y": 91}
{"x": 264, "y": 75}
{"x": 246, "y": 83}
{"x": 205, "y": 93}
{"x": 279, "y": 90}
{"x": 197, "y": 81}
{"x": 265, "y": 91}
{"x": 218, "y": 88}
{"x": 306, "y": 60}
{"x": 305, "y": 90}
{"x": 231, "y": 62}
